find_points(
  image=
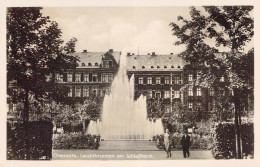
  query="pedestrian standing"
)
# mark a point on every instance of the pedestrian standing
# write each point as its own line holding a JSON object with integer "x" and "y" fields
{"x": 185, "y": 142}
{"x": 167, "y": 143}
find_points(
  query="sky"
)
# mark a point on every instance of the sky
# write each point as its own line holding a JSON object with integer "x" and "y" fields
{"x": 129, "y": 29}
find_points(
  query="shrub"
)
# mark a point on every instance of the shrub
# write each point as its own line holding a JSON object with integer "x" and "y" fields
{"x": 75, "y": 141}
{"x": 224, "y": 146}
{"x": 39, "y": 140}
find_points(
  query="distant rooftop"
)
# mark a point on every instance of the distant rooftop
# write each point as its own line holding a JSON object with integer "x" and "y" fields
{"x": 94, "y": 59}
{"x": 154, "y": 62}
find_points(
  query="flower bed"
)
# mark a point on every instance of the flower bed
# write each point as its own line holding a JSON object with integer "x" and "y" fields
{"x": 75, "y": 141}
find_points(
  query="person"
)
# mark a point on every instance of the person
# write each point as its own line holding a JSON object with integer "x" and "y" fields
{"x": 167, "y": 143}
{"x": 185, "y": 142}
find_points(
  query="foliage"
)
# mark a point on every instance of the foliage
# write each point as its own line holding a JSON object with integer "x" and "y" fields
{"x": 35, "y": 53}
{"x": 225, "y": 141}
{"x": 39, "y": 140}
{"x": 154, "y": 107}
{"x": 75, "y": 141}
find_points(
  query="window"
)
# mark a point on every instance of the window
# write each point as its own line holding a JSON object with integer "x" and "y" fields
{"x": 69, "y": 77}
{"x": 105, "y": 64}
{"x": 149, "y": 80}
{"x": 104, "y": 78}
{"x": 85, "y": 92}
{"x": 190, "y": 106}
{"x": 94, "y": 78}
{"x": 166, "y": 94}
{"x": 96, "y": 64}
{"x": 231, "y": 92}
{"x": 190, "y": 78}
{"x": 158, "y": 80}
{"x": 198, "y": 91}
{"x": 222, "y": 79}
{"x": 59, "y": 77}
{"x": 149, "y": 94}
{"x": 211, "y": 106}
{"x": 95, "y": 91}
{"x": 78, "y": 78}
{"x": 70, "y": 93}
{"x": 140, "y": 80}
{"x": 14, "y": 107}
{"x": 176, "y": 94}
{"x": 211, "y": 91}
{"x": 190, "y": 91}
{"x": 77, "y": 92}
{"x": 198, "y": 75}
{"x": 110, "y": 77}
{"x": 198, "y": 106}
{"x": 158, "y": 94}
{"x": 153, "y": 94}
{"x": 110, "y": 64}
{"x": 177, "y": 80}
{"x": 222, "y": 91}
{"x": 167, "y": 80}
{"x": 167, "y": 109}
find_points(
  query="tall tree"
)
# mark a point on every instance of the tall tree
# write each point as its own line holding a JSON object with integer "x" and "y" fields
{"x": 35, "y": 53}
{"x": 231, "y": 27}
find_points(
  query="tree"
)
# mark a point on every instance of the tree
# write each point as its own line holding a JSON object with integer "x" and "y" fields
{"x": 230, "y": 27}
{"x": 34, "y": 54}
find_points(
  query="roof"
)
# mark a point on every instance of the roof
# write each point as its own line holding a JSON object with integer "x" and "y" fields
{"x": 155, "y": 62}
{"x": 94, "y": 58}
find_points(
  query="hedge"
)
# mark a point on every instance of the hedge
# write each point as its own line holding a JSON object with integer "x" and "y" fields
{"x": 225, "y": 140}
{"x": 75, "y": 141}
{"x": 39, "y": 140}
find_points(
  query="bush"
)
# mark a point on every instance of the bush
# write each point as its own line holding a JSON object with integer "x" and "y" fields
{"x": 224, "y": 146}
{"x": 39, "y": 140}
{"x": 75, "y": 141}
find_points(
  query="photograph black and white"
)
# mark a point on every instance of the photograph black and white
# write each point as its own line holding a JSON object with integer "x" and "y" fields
{"x": 130, "y": 83}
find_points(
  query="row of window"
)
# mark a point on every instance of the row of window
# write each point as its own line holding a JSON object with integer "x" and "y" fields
{"x": 159, "y": 80}
{"x": 106, "y": 64}
{"x": 163, "y": 94}
{"x": 190, "y": 78}
{"x": 211, "y": 91}
{"x": 85, "y": 92}
{"x": 87, "y": 77}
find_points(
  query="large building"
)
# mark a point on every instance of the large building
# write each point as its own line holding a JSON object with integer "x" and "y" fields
{"x": 163, "y": 79}
{"x": 92, "y": 77}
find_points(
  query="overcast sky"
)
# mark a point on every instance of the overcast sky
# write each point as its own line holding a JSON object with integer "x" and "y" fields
{"x": 119, "y": 28}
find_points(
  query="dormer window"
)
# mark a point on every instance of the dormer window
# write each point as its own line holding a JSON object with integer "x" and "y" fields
{"x": 179, "y": 66}
{"x": 158, "y": 66}
{"x": 83, "y": 64}
{"x": 172, "y": 66}
{"x": 133, "y": 67}
{"x": 151, "y": 66}
{"x": 143, "y": 67}
{"x": 89, "y": 64}
{"x": 96, "y": 64}
{"x": 165, "y": 66}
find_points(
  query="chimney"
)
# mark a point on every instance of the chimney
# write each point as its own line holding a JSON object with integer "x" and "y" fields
{"x": 85, "y": 51}
{"x": 128, "y": 54}
{"x": 153, "y": 53}
{"x": 111, "y": 50}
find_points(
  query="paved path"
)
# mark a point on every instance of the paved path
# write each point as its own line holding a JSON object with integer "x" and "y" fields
{"x": 127, "y": 150}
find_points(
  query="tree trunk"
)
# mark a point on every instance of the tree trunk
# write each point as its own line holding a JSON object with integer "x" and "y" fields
{"x": 25, "y": 124}
{"x": 237, "y": 125}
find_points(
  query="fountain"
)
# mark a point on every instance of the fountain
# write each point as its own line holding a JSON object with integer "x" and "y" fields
{"x": 124, "y": 118}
